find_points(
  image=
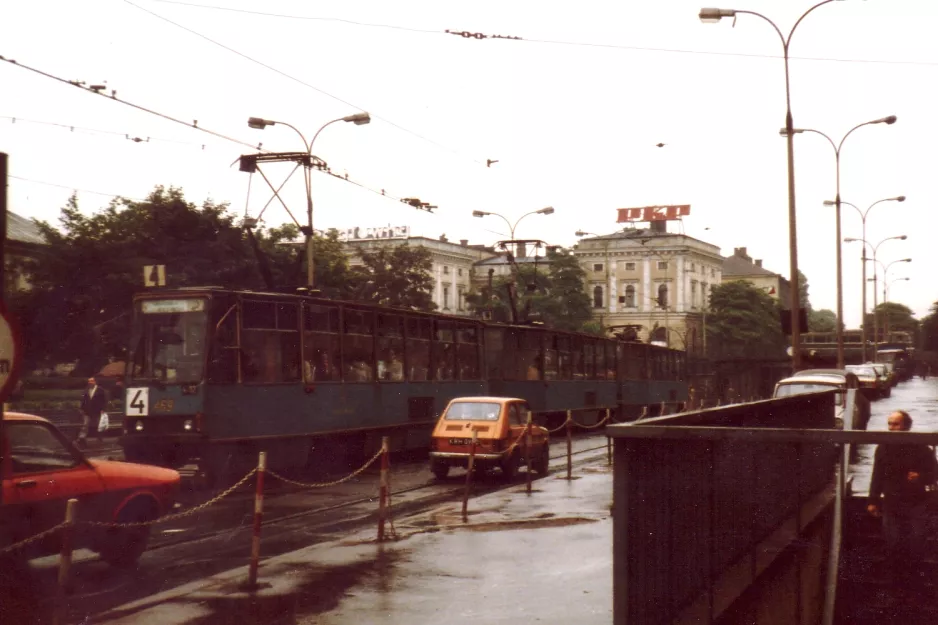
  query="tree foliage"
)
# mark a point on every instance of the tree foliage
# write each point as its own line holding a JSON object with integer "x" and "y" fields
{"x": 823, "y": 320}
{"x": 552, "y": 293}
{"x": 394, "y": 276}
{"x": 744, "y": 323}
{"x": 930, "y": 329}
{"x": 894, "y": 317}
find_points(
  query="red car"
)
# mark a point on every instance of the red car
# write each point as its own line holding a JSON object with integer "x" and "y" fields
{"x": 41, "y": 470}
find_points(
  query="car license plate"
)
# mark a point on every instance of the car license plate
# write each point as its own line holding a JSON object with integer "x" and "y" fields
{"x": 460, "y": 441}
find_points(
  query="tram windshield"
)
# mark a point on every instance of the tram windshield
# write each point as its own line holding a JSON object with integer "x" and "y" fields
{"x": 168, "y": 340}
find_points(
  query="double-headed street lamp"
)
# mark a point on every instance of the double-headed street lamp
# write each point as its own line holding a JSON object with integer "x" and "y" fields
{"x": 713, "y": 16}
{"x": 875, "y": 248}
{"x": 260, "y": 123}
{"x": 837, "y": 202}
{"x": 886, "y": 286}
{"x": 548, "y": 210}
{"x": 863, "y": 214}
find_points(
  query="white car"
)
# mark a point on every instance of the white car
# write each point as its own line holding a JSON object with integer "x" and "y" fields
{"x": 820, "y": 380}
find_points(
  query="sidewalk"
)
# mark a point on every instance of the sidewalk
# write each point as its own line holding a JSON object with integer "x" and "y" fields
{"x": 559, "y": 570}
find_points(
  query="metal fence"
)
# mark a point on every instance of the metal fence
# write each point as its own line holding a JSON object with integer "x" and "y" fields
{"x": 695, "y": 493}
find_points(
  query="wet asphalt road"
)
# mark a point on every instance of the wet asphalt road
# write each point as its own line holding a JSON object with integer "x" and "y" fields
{"x": 917, "y": 397}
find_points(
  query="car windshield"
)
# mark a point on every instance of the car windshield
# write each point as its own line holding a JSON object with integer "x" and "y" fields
{"x": 472, "y": 411}
{"x": 801, "y": 388}
{"x": 863, "y": 371}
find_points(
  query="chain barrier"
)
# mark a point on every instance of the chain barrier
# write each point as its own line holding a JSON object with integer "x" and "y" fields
{"x": 348, "y": 477}
{"x": 561, "y": 426}
{"x": 178, "y": 515}
{"x": 595, "y": 425}
{"x": 35, "y": 538}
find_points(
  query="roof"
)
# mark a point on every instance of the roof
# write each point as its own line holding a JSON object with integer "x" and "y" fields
{"x": 831, "y": 379}
{"x": 736, "y": 266}
{"x": 23, "y": 230}
{"x": 22, "y": 416}
{"x": 486, "y": 399}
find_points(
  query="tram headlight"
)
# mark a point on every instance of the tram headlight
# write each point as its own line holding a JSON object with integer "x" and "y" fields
{"x": 139, "y": 426}
{"x": 187, "y": 425}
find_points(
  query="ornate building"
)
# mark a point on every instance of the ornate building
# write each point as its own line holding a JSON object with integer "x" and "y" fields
{"x": 653, "y": 279}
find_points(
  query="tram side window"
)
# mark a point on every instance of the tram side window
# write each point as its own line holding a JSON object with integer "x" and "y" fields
{"x": 390, "y": 348}
{"x": 576, "y": 353}
{"x": 223, "y": 357}
{"x": 600, "y": 370}
{"x": 589, "y": 359}
{"x": 321, "y": 344}
{"x": 551, "y": 363}
{"x": 530, "y": 354}
{"x": 610, "y": 360}
{"x": 419, "y": 330}
{"x": 565, "y": 358}
{"x": 467, "y": 351}
{"x": 444, "y": 351}
{"x": 494, "y": 353}
{"x": 270, "y": 343}
{"x": 358, "y": 346}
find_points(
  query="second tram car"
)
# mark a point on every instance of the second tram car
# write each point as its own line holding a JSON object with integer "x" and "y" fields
{"x": 214, "y": 375}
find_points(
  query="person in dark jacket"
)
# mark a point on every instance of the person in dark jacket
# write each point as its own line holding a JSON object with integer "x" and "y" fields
{"x": 898, "y": 493}
{"x": 93, "y": 402}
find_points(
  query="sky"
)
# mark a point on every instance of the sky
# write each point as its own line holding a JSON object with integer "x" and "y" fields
{"x": 572, "y": 111}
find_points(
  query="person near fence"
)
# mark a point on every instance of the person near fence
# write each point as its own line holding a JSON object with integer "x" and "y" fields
{"x": 93, "y": 402}
{"x": 902, "y": 475}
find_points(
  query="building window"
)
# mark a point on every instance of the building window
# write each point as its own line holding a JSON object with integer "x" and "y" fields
{"x": 693, "y": 268}
{"x": 663, "y": 265}
{"x": 693, "y": 293}
{"x": 445, "y": 298}
{"x": 445, "y": 269}
{"x": 597, "y": 266}
{"x": 459, "y": 271}
{"x": 713, "y": 272}
{"x": 630, "y": 296}
{"x": 460, "y": 298}
{"x": 630, "y": 266}
{"x": 663, "y": 296}
{"x": 597, "y": 297}
{"x": 704, "y": 296}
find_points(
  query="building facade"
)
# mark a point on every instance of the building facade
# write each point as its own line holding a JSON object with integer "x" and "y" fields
{"x": 655, "y": 280}
{"x": 451, "y": 270}
{"x": 741, "y": 267}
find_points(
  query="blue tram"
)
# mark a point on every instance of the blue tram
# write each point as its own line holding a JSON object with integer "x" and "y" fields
{"x": 214, "y": 375}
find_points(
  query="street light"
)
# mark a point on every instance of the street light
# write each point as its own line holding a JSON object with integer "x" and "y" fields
{"x": 715, "y": 15}
{"x": 886, "y": 286}
{"x": 260, "y": 123}
{"x": 875, "y": 248}
{"x": 837, "y": 202}
{"x": 863, "y": 214}
{"x": 547, "y": 210}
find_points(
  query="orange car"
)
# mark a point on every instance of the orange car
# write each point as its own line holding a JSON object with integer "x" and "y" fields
{"x": 499, "y": 422}
{"x": 41, "y": 470}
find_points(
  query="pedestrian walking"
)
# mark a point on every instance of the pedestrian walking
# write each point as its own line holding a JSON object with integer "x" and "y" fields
{"x": 93, "y": 402}
{"x": 899, "y": 489}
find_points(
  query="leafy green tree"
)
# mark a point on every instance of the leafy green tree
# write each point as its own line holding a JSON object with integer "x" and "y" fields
{"x": 744, "y": 323}
{"x": 895, "y": 317}
{"x": 553, "y": 293}
{"x": 394, "y": 276}
{"x": 930, "y": 329}
{"x": 823, "y": 320}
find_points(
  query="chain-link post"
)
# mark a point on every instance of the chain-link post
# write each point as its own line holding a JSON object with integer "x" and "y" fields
{"x": 608, "y": 438}
{"x": 383, "y": 488}
{"x": 527, "y": 452}
{"x": 65, "y": 563}
{"x": 258, "y": 520}
{"x": 469, "y": 472}
{"x": 569, "y": 444}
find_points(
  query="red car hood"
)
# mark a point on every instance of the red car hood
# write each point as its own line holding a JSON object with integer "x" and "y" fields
{"x": 117, "y": 475}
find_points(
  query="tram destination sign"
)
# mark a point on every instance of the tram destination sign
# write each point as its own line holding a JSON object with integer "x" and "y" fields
{"x": 380, "y": 232}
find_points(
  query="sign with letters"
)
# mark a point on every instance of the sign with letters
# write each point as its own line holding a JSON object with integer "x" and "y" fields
{"x": 669, "y": 212}
{"x": 381, "y": 232}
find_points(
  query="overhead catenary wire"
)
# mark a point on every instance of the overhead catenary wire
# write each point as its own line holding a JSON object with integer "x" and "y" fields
{"x": 65, "y": 186}
{"x": 74, "y": 127}
{"x": 304, "y": 83}
{"x": 557, "y": 42}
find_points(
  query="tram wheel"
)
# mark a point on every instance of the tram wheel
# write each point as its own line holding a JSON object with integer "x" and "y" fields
{"x": 440, "y": 470}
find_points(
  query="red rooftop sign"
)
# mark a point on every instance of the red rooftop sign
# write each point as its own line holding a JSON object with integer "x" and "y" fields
{"x": 654, "y": 213}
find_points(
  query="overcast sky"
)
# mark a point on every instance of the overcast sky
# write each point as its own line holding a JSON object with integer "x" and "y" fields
{"x": 572, "y": 112}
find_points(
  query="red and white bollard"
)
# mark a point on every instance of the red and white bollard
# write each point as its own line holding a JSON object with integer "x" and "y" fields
{"x": 65, "y": 563}
{"x": 608, "y": 438}
{"x": 469, "y": 472}
{"x": 569, "y": 444}
{"x": 527, "y": 451}
{"x": 383, "y": 488}
{"x": 258, "y": 520}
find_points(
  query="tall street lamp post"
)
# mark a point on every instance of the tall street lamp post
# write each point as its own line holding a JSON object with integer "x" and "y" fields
{"x": 886, "y": 299}
{"x": 863, "y": 214}
{"x": 837, "y": 202}
{"x": 715, "y": 15}
{"x": 260, "y": 123}
{"x": 548, "y": 210}
{"x": 875, "y": 248}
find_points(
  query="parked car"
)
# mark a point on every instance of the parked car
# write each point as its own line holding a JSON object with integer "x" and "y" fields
{"x": 872, "y": 385}
{"x": 819, "y": 380}
{"x": 41, "y": 470}
{"x": 887, "y": 378}
{"x": 498, "y": 422}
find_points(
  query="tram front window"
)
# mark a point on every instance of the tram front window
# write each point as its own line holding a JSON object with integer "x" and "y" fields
{"x": 169, "y": 341}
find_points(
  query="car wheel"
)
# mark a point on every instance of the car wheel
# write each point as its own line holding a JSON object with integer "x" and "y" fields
{"x": 509, "y": 466}
{"x": 542, "y": 462}
{"x": 440, "y": 470}
{"x": 123, "y": 546}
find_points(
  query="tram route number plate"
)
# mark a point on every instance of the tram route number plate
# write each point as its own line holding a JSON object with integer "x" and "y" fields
{"x": 460, "y": 441}
{"x": 138, "y": 402}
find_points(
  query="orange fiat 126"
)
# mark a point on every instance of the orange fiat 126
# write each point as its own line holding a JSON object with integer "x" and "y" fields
{"x": 499, "y": 423}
